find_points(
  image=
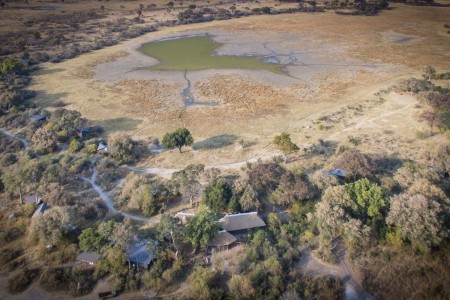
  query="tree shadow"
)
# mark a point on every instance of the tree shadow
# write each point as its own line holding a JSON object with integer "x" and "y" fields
{"x": 215, "y": 142}
{"x": 118, "y": 124}
{"x": 389, "y": 164}
{"x": 47, "y": 71}
{"x": 48, "y": 100}
{"x": 322, "y": 148}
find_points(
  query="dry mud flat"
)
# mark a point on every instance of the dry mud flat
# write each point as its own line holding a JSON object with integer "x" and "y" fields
{"x": 332, "y": 61}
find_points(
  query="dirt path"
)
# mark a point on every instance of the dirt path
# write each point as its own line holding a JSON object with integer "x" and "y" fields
{"x": 14, "y": 136}
{"x": 396, "y": 104}
{"x": 312, "y": 266}
{"x": 167, "y": 173}
{"x": 109, "y": 202}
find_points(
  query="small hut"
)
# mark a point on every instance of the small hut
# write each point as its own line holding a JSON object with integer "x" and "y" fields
{"x": 338, "y": 173}
{"x": 102, "y": 148}
{"x": 89, "y": 258}
{"x": 40, "y": 210}
{"x": 223, "y": 241}
{"x": 141, "y": 254}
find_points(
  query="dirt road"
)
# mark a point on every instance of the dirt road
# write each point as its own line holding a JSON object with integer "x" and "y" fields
{"x": 312, "y": 266}
{"x": 14, "y": 136}
{"x": 109, "y": 202}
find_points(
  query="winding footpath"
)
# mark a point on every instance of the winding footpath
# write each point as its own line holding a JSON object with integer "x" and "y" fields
{"x": 109, "y": 202}
{"x": 14, "y": 136}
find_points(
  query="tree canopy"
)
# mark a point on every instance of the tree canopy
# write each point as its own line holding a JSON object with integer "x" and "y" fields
{"x": 217, "y": 195}
{"x": 284, "y": 143}
{"x": 12, "y": 66}
{"x": 201, "y": 229}
{"x": 177, "y": 139}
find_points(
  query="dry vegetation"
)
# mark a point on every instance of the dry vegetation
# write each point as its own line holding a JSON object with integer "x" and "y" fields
{"x": 346, "y": 105}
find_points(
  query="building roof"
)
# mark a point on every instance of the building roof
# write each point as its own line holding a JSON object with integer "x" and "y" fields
{"x": 142, "y": 252}
{"x": 40, "y": 210}
{"x": 38, "y": 117}
{"x": 91, "y": 257}
{"x": 223, "y": 238}
{"x": 101, "y": 146}
{"x": 32, "y": 198}
{"x": 338, "y": 172}
{"x": 241, "y": 221}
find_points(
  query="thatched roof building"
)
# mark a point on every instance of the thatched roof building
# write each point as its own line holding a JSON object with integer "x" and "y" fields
{"x": 241, "y": 221}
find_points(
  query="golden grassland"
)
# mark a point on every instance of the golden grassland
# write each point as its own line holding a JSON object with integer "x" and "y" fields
{"x": 254, "y": 110}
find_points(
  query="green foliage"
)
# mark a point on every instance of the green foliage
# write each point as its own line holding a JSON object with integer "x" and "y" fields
{"x": 266, "y": 9}
{"x": 249, "y": 200}
{"x": 75, "y": 146}
{"x": 204, "y": 285}
{"x": 169, "y": 228}
{"x": 66, "y": 123}
{"x": 122, "y": 148}
{"x": 12, "y": 66}
{"x": 284, "y": 143}
{"x": 44, "y": 141}
{"x": 187, "y": 181}
{"x": 91, "y": 240}
{"x": 240, "y": 287}
{"x": 114, "y": 262}
{"x": 217, "y": 195}
{"x": 49, "y": 228}
{"x": 144, "y": 194}
{"x": 177, "y": 139}
{"x": 369, "y": 197}
{"x": 201, "y": 229}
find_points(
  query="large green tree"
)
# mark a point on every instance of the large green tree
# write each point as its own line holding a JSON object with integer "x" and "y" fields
{"x": 217, "y": 195}
{"x": 169, "y": 228}
{"x": 201, "y": 229}
{"x": 369, "y": 197}
{"x": 204, "y": 284}
{"x": 50, "y": 226}
{"x": 122, "y": 148}
{"x": 91, "y": 240}
{"x": 187, "y": 181}
{"x": 177, "y": 139}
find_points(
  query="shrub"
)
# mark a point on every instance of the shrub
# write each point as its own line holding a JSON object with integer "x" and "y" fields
{"x": 20, "y": 282}
{"x": 75, "y": 146}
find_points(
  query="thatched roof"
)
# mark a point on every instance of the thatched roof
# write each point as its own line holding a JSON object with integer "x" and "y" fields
{"x": 223, "y": 238}
{"x": 241, "y": 221}
{"x": 90, "y": 257}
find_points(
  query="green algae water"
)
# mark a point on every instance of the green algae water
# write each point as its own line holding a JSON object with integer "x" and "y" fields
{"x": 197, "y": 53}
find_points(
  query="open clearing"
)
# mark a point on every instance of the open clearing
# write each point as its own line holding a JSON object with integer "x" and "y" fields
{"x": 340, "y": 63}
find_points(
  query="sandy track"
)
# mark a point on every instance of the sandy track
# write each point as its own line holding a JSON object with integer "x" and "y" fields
{"x": 14, "y": 136}
{"x": 312, "y": 266}
{"x": 109, "y": 202}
